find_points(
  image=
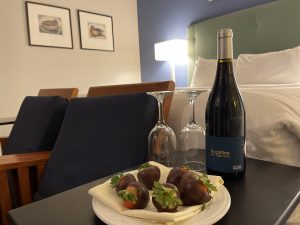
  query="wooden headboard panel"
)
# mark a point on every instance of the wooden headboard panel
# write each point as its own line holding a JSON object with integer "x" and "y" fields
{"x": 269, "y": 27}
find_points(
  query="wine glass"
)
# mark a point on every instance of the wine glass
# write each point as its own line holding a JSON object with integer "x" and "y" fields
{"x": 192, "y": 137}
{"x": 161, "y": 139}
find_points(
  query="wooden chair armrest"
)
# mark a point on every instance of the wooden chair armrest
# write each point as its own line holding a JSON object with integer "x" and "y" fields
{"x": 16, "y": 173}
{"x": 3, "y": 141}
{"x": 15, "y": 161}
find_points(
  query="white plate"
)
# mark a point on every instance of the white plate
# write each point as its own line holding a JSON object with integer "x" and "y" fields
{"x": 212, "y": 213}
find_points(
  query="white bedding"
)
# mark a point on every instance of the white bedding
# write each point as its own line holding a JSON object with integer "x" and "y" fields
{"x": 272, "y": 117}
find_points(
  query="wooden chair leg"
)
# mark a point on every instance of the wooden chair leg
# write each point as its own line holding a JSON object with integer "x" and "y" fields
{"x": 5, "y": 201}
{"x": 24, "y": 183}
{"x": 40, "y": 170}
{"x": 15, "y": 185}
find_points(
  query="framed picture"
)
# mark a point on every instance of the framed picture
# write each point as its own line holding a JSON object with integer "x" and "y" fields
{"x": 96, "y": 31}
{"x": 48, "y": 25}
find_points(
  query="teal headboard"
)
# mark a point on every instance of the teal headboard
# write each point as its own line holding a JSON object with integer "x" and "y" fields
{"x": 269, "y": 27}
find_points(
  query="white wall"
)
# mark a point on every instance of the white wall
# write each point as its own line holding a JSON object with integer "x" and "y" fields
{"x": 25, "y": 69}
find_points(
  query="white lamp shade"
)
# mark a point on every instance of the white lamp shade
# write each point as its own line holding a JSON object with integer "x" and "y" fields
{"x": 173, "y": 51}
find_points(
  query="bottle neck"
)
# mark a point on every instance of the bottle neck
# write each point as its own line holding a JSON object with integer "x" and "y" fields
{"x": 225, "y": 61}
{"x": 225, "y": 51}
{"x": 224, "y": 69}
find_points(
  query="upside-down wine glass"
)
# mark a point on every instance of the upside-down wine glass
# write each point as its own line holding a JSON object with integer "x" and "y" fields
{"x": 192, "y": 137}
{"x": 161, "y": 139}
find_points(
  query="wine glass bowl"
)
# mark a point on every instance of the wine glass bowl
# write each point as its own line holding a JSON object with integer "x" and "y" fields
{"x": 162, "y": 142}
{"x": 161, "y": 139}
{"x": 192, "y": 137}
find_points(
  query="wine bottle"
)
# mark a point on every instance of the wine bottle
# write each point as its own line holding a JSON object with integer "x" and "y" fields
{"x": 225, "y": 117}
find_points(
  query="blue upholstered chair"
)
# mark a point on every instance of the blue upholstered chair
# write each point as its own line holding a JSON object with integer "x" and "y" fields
{"x": 37, "y": 125}
{"x": 99, "y": 136}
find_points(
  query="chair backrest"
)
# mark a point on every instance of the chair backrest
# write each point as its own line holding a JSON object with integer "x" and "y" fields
{"x": 37, "y": 124}
{"x": 67, "y": 93}
{"x": 136, "y": 88}
{"x": 99, "y": 136}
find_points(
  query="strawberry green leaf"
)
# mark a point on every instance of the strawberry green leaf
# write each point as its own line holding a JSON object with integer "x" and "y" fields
{"x": 143, "y": 166}
{"x": 115, "y": 180}
{"x": 206, "y": 181}
{"x": 166, "y": 197}
{"x": 127, "y": 196}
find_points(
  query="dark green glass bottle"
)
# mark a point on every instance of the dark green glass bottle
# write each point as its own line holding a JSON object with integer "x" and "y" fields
{"x": 225, "y": 117}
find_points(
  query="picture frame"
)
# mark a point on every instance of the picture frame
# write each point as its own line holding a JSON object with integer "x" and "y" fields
{"x": 49, "y": 25}
{"x": 96, "y": 31}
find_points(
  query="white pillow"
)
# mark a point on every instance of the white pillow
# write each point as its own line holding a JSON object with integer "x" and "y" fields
{"x": 205, "y": 72}
{"x": 282, "y": 67}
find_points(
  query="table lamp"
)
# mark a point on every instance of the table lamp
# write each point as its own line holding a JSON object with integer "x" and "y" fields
{"x": 172, "y": 51}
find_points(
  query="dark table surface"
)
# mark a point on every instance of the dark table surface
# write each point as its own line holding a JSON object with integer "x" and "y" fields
{"x": 267, "y": 195}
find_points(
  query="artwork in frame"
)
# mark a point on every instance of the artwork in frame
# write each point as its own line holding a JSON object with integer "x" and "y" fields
{"x": 96, "y": 31}
{"x": 48, "y": 25}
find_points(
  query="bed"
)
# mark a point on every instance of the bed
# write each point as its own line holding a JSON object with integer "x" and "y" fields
{"x": 267, "y": 68}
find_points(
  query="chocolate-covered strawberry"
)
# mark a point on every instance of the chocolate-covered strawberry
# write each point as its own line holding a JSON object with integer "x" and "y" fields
{"x": 121, "y": 181}
{"x": 165, "y": 197}
{"x": 135, "y": 196}
{"x": 194, "y": 189}
{"x": 175, "y": 175}
{"x": 148, "y": 174}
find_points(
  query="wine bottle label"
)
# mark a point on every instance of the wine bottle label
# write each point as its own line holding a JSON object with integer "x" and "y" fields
{"x": 225, "y": 154}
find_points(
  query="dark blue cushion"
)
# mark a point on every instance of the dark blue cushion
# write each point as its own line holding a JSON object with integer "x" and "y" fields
{"x": 37, "y": 124}
{"x": 99, "y": 136}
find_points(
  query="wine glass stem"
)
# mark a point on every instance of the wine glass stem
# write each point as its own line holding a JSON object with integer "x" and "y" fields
{"x": 192, "y": 107}
{"x": 161, "y": 120}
